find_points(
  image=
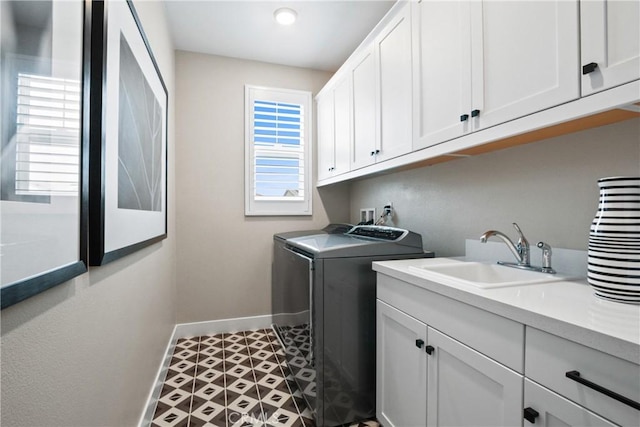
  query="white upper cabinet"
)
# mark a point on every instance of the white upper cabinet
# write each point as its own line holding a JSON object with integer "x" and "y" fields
{"x": 440, "y": 78}
{"x": 524, "y": 58}
{"x": 363, "y": 76}
{"x": 610, "y": 42}
{"x": 394, "y": 61}
{"x": 342, "y": 125}
{"x": 334, "y": 129}
{"x": 442, "y": 71}
{"x": 480, "y": 64}
{"x": 326, "y": 136}
{"x": 382, "y": 94}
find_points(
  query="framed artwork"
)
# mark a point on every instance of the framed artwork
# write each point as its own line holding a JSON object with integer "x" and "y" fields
{"x": 44, "y": 102}
{"x": 128, "y": 143}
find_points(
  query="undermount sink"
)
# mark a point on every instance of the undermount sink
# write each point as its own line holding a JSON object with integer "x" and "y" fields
{"x": 482, "y": 275}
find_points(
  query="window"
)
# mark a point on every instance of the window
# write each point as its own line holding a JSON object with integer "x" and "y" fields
{"x": 277, "y": 151}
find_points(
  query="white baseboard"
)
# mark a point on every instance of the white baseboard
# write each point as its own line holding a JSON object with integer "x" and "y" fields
{"x": 212, "y": 327}
{"x": 154, "y": 395}
{"x": 187, "y": 330}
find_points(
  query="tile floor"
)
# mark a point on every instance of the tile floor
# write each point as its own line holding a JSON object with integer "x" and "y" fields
{"x": 229, "y": 380}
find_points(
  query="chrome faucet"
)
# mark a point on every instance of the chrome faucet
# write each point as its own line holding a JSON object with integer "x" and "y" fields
{"x": 521, "y": 251}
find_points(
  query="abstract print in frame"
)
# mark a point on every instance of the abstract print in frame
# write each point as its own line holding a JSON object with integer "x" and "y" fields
{"x": 128, "y": 157}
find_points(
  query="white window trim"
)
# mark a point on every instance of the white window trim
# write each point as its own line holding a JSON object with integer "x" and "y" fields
{"x": 255, "y": 207}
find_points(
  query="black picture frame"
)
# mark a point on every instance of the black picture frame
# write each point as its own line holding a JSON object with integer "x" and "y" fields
{"x": 129, "y": 109}
{"x": 35, "y": 283}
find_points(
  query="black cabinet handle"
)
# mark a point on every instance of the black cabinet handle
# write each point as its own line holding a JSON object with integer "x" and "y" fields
{"x": 475, "y": 113}
{"x": 429, "y": 349}
{"x": 575, "y": 376}
{"x": 419, "y": 343}
{"x": 373, "y": 153}
{"x": 589, "y": 68}
{"x": 464, "y": 117}
{"x": 530, "y": 415}
{"x": 377, "y": 151}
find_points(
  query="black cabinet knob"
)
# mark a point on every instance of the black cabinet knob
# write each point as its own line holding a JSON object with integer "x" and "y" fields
{"x": 373, "y": 153}
{"x": 377, "y": 151}
{"x": 464, "y": 117}
{"x": 589, "y": 68}
{"x": 530, "y": 415}
{"x": 475, "y": 113}
{"x": 429, "y": 349}
{"x": 419, "y": 343}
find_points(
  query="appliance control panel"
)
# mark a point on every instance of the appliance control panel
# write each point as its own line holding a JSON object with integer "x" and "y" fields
{"x": 377, "y": 232}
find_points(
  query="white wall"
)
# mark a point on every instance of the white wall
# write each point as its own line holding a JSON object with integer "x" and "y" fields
{"x": 224, "y": 258}
{"x": 86, "y": 353}
{"x": 549, "y": 188}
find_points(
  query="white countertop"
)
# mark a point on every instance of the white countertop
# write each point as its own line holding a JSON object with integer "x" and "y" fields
{"x": 568, "y": 309}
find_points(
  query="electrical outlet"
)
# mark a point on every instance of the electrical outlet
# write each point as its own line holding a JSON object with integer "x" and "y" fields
{"x": 367, "y": 214}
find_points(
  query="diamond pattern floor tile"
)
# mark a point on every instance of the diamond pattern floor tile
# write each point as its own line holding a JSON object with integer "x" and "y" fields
{"x": 232, "y": 380}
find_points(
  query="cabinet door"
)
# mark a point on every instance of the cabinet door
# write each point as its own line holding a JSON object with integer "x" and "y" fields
{"x": 326, "y": 136}
{"x": 393, "y": 48}
{"x": 442, "y": 71}
{"x": 466, "y": 388}
{"x": 524, "y": 58}
{"x": 554, "y": 410}
{"x": 401, "y": 366}
{"x": 342, "y": 125}
{"x": 610, "y": 38}
{"x": 364, "y": 110}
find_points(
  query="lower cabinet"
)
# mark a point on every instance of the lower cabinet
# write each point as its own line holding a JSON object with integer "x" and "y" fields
{"x": 595, "y": 381}
{"x": 425, "y": 377}
{"x": 466, "y": 388}
{"x": 401, "y": 388}
{"x": 442, "y": 362}
{"x": 546, "y": 408}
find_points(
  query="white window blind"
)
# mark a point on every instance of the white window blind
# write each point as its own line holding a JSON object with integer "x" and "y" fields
{"x": 47, "y": 136}
{"x": 277, "y": 152}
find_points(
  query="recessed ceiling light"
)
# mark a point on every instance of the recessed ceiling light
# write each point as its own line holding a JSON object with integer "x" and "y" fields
{"x": 285, "y": 16}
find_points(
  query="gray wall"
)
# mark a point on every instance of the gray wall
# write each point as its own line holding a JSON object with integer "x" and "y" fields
{"x": 549, "y": 188}
{"x": 224, "y": 258}
{"x": 86, "y": 353}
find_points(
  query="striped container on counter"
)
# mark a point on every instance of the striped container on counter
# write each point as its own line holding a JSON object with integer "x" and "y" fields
{"x": 614, "y": 241}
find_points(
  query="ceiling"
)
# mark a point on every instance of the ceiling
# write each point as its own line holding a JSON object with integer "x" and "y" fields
{"x": 324, "y": 35}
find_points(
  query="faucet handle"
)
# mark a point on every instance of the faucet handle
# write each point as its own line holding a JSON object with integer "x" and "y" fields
{"x": 522, "y": 241}
{"x": 515, "y": 225}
